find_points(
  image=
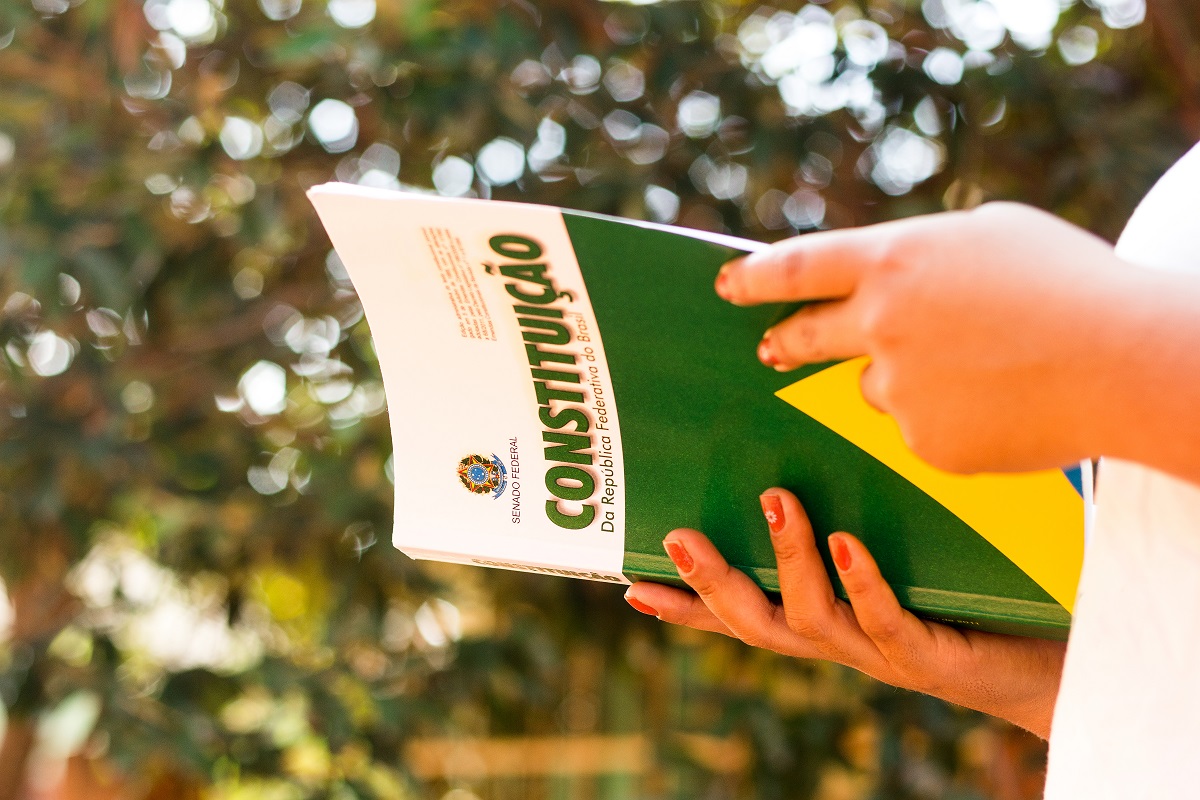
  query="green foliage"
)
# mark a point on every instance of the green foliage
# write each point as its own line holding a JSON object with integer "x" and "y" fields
{"x": 195, "y": 452}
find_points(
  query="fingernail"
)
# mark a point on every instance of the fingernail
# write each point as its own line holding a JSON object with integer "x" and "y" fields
{"x": 722, "y": 285}
{"x": 679, "y": 554}
{"x": 764, "y": 351}
{"x": 840, "y": 552}
{"x": 640, "y": 606}
{"x": 772, "y": 508}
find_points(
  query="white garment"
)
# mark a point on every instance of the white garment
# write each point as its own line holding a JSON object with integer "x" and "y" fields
{"x": 1127, "y": 721}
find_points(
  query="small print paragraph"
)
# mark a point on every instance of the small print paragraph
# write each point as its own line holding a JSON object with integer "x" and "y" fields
{"x": 474, "y": 321}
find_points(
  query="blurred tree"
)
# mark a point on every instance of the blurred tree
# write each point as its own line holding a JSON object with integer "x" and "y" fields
{"x": 194, "y": 452}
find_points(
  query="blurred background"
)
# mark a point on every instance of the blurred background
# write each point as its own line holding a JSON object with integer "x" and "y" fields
{"x": 200, "y": 599}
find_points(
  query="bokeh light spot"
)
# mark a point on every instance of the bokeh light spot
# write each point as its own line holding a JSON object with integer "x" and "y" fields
{"x": 1078, "y": 45}
{"x": 501, "y": 161}
{"x": 137, "y": 397}
{"x": 1030, "y": 22}
{"x": 583, "y": 75}
{"x": 279, "y": 10}
{"x": 248, "y": 283}
{"x": 51, "y": 8}
{"x": 804, "y": 209}
{"x": 902, "y": 159}
{"x": 192, "y": 20}
{"x": 944, "y": 65}
{"x": 288, "y": 101}
{"x": 1121, "y": 13}
{"x": 453, "y": 176}
{"x": 926, "y": 115}
{"x": 663, "y": 204}
{"x": 69, "y": 289}
{"x": 624, "y": 81}
{"x": 49, "y": 354}
{"x": 264, "y": 388}
{"x": 352, "y": 13}
{"x": 866, "y": 42}
{"x": 698, "y": 114}
{"x": 241, "y": 138}
{"x": 439, "y": 622}
{"x": 651, "y": 146}
{"x": 335, "y": 125}
{"x": 530, "y": 75}
{"x": 549, "y": 146}
{"x": 622, "y": 126}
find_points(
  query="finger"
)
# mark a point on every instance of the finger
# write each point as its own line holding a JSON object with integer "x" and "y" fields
{"x": 808, "y": 600}
{"x": 902, "y": 639}
{"x": 728, "y": 593}
{"x": 828, "y": 331}
{"x": 811, "y": 610}
{"x": 816, "y": 266}
{"x": 872, "y": 382}
{"x": 676, "y": 606}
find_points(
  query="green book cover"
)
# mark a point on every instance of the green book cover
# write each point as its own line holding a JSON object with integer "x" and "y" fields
{"x": 565, "y": 388}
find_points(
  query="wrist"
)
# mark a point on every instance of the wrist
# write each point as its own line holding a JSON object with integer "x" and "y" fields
{"x": 1037, "y": 715}
{"x": 1017, "y": 682}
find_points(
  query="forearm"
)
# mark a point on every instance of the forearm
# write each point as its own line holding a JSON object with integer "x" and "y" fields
{"x": 1144, "y": 403}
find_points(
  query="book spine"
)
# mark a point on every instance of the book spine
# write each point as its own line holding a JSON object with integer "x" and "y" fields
{"x": 960, "y": 609}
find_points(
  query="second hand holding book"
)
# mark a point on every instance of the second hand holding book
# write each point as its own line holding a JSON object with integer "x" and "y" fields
{"x": 565, "y": 388}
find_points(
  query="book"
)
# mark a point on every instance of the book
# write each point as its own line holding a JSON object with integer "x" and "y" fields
{"x": 565, "y": 388}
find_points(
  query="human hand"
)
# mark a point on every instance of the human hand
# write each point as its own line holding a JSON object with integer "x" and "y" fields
{"x": 994, "y": 334}
{"x": 1007, "y": 676}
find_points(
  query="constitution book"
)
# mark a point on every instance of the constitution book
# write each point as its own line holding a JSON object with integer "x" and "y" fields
{"x": 566, "y": 388}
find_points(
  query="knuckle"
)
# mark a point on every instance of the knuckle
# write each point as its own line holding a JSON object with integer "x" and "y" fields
{"x": 758, "y": 630}
{"x": 956, "y": 461}
{"x": 780, "y": 270}
{"x": 989, "y": 220}
{"x": 709, "y": 584}
{"x": 878, "y": 387}
{"x": 747, "y": 279}
{"x": 883, "y": 631}
{"x": 927, "y": 446}
{"x": 944, "y": 459}
{"x": 786, "y": 548}
{"x": 880, "y": 326}
{"x": 903, "y": 259}
{"x": 756, "y": 638}
{"x": 706, "y": 588}
{"x": 937, "y": 449}
{"x": 806, "y": 626}
{"x": 890, "y": 253}
{"x": 998, "y": 208}
{"x": 790, "y": 271}
{"x": 695, "y": 615}
{"x": 800, "y": 339}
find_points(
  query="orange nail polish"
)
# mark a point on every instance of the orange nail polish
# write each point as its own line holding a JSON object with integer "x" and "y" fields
{"x": 679, "y": 554}
{"x": 772, "y": 508}
{"x": 722, "y": 285}
{"x": 764, "y": 351}
{"x": 640, "y": 606}
{"x": 840, "y": 552}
